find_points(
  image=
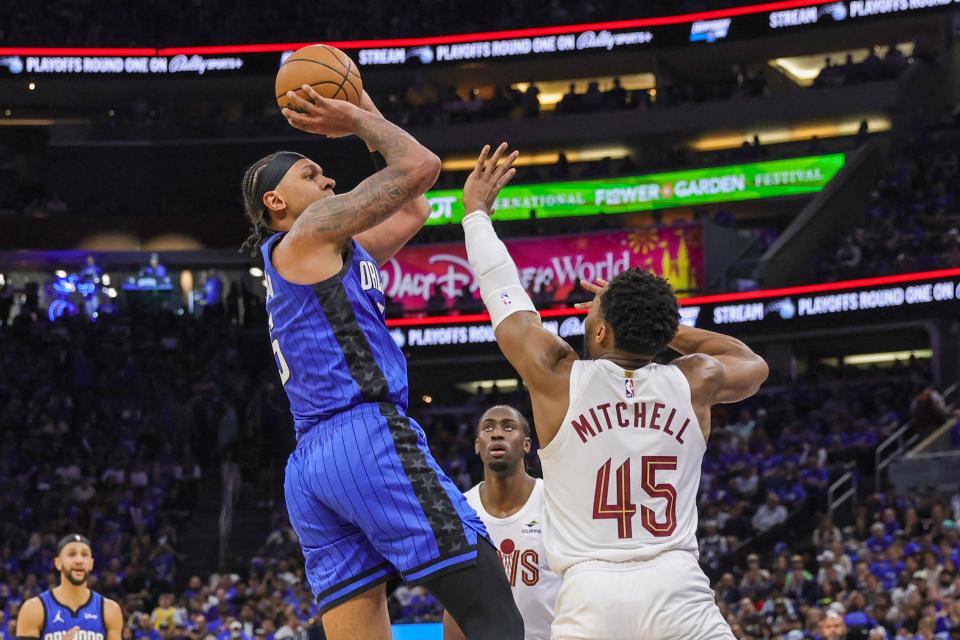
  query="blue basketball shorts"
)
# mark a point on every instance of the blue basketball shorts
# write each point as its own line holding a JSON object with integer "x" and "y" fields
{"x": 370, "y": 503}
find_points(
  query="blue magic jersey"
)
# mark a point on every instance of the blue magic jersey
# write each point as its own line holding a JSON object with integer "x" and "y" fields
{"x": 331, "y": 344}
{"x": 59, "y": 618}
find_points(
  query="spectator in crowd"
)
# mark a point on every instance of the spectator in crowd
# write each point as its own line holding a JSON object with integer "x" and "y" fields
{"x": 908, "y": 221}
{"x": 165, "y": 612}
{"x": 770, "y": 514}
{"x": 832, "y": 627}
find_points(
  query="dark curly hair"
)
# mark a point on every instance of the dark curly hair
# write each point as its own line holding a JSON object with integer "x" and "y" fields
{"x": 256, "y": 212}
{"x": 642, "y": 310}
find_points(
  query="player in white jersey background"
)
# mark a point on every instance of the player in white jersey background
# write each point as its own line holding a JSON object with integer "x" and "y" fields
{"x": 510, "y": 503}
{"x": 622, "y": 438}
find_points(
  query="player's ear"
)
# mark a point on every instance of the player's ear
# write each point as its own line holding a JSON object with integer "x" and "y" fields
{"x": 527, "y": 443}
{"x": 273, "y": 201}
{"x": 603, "y": 333}
{"x": 476, "y": 446}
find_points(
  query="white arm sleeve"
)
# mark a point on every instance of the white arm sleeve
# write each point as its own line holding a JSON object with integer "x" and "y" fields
{"x": 500, "y": 286}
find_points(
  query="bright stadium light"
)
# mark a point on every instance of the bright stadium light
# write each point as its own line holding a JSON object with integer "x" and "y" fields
{"x": 60, "y": 273}
{"x": 256, "y": 272}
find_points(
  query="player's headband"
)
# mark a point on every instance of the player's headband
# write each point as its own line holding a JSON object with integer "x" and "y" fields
{"x": 273, "y": 173}
{"x": 73, "y": 537}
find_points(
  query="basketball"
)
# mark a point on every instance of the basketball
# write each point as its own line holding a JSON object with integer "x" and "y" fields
{"x": 328, "y": 70}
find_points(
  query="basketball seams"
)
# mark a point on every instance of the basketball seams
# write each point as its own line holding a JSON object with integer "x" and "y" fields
{"x": 350, "y": 72}
{"x": 350, "y": 84}
{"x": 322, "y": 64}
{"x": 340, "y": 87}
{"x": 340, "y": 58}
{"x": 315, "y": 84}
{"x": 336, "y": 62}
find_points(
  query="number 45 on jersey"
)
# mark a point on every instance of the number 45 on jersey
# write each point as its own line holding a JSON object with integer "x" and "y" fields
{"x": 623, "y": 510}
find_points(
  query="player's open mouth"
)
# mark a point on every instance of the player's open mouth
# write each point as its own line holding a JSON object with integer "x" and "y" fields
{"x": 498, "y": 450}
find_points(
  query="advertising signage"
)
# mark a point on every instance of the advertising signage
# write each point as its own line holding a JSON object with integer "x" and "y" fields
{"x": 917, "y": 295}
{"x": 752, "y": 181}
{"x": 549, "y": 266}
{"x": 852, "y": 303}
{"x": 691, "y": 29}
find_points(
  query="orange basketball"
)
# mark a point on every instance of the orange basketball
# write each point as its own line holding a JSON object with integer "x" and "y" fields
{"x": 328, "y": 70}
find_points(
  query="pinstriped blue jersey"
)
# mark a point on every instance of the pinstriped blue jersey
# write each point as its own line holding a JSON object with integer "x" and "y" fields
{"x": 322, "y": 335}
{"x": 58, "y": 618}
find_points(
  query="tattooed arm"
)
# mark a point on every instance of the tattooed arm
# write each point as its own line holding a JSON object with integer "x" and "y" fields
{"x": 313, "y": 248}
{"x": 384, "y": 240}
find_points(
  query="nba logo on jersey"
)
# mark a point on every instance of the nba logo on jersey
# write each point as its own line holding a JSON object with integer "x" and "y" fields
{"x": 628, "y": 386}
{"x": 505, "y": 298}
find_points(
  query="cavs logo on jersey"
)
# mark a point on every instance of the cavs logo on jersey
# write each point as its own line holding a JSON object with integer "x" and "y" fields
{"x": 519, "y": 561}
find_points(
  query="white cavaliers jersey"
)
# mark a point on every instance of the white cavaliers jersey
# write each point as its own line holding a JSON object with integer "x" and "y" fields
{"x": 621, "y": 475}
{"x": 519, "y": 541}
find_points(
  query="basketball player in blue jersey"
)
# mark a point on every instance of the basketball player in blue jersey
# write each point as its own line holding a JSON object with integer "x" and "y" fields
{"x": 364, "y": 494}
{"x": 71, "y": 610}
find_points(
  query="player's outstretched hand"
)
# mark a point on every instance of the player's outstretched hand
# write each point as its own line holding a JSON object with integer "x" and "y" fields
{"x": 594, "y": 288}
{"x": 332, "y": 118}
{"x": 487, "y": 178}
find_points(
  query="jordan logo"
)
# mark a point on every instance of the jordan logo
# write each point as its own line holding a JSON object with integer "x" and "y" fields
{"x": 58, "y": 617}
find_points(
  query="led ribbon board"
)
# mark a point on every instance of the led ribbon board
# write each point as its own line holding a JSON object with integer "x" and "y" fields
{"x": 756, "y": 180}
{"x": 688, "y": 29}
{"x": 904, "y": 297}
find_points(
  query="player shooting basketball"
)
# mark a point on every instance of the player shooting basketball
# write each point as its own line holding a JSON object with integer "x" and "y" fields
{"x": 621, "y": 439}
{"x": 364, "y": 494}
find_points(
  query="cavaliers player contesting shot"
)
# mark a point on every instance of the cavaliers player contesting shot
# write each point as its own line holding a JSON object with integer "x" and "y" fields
{"x": 71, "y": 610}
{"x": 510, "y": 502}
{"x": 622, "y": 440}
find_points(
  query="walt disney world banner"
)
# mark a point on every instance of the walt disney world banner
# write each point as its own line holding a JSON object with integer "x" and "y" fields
{"x": 549, "y": 267}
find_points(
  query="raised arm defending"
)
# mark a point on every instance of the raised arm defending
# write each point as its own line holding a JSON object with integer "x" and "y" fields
{"x": 534, "y": 352}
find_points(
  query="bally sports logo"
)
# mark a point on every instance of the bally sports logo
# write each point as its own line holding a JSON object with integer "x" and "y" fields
{"x": 129, "y": 65}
